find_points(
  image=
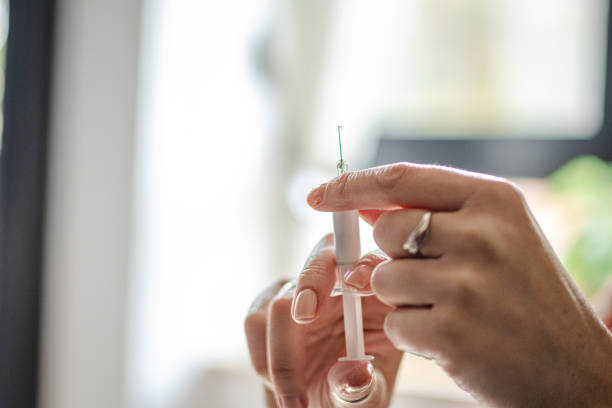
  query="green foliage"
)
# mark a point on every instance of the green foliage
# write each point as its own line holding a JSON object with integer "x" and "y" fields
{"x": 586, "y": 183}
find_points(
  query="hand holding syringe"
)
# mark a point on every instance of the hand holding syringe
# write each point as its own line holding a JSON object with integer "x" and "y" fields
{"x": 297, "y": 331}
{"x": 445, "y": 301}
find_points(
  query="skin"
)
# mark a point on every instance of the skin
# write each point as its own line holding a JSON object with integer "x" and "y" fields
{"x": 602, "y": 303}
{"x": 487, "y": 298}
{"x": 293, "y": 356}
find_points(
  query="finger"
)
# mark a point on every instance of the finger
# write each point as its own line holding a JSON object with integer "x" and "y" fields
{"x": 374, "y": 313}
{"x": 315, "y": 282}
{"x": 285, "y": 353}
{"x": 393, "y": 228}
{"x": 370, "y": 216}
{"x": 411, "y": 282}
{"x": 411, "y": 329}
{"x": 359, "y": 276}
{"x": 260, "y": 304}
{"x": 255, "y": 328}
{"x": 395, "y": 186}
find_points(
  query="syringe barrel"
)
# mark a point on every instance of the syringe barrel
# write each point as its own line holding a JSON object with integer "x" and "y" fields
{"x": 348, "y": 252}
{"x": 346, "y": 235}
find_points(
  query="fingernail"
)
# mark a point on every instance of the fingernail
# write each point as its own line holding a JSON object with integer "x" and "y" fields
{"x": 315, "y": 197}
{"x": 358, "y": 277}
{"x": 305, "y": 305}
{"x": 290, "y": 402}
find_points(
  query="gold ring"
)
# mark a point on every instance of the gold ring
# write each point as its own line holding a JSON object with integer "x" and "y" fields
{"x": 417, "y": 235}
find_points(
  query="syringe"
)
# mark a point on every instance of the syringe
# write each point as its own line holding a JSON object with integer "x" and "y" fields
{"x": 348, "y": 252}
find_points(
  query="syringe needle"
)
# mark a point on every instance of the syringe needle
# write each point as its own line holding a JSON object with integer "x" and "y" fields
{"x": 341, "y": 167}
{"x": 340, "y": 140}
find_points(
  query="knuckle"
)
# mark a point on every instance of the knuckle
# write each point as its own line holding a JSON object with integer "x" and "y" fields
{"x": 342, "y": 183}
{"x": 313, "y": 272}
{"x": 282, "y": 371}
{"x": 511, "y": 191}
{"x": 502, "y": 191}
{"x": 472, "y": 235}
{"x": 464, "y": 292}
{"x": 390, "y": 176}
{"x": 322, "y": 253}
{"x": 483, "y": 238}
{"x": 475, "y": 234}
{"x": 280, "y": 307}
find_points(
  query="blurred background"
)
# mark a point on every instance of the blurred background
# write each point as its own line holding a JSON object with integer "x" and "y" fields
{"x": 185, "y": 135}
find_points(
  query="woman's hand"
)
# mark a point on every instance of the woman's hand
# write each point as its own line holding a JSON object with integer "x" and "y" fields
{"x": 296, "y": 335}
{"x": 487, "y": 298}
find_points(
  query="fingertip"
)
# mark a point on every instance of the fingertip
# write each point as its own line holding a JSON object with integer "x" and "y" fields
{"x": 359, "y": 277}
{"x": 379, "y": 284}
{"x": 315, "y": 197}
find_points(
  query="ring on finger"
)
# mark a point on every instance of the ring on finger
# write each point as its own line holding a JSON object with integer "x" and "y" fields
{"x": 418, "y": 235}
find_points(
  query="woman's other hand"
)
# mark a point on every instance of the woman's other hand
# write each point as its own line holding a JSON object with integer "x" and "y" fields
{"x": 296, "y": 334}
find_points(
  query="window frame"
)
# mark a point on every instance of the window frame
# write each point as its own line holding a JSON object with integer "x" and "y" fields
{"x": 23, "y": 162}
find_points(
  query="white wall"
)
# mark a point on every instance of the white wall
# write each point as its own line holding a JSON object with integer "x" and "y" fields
{"x": 199, "y": 236}
{"x": 89, "y": 201}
